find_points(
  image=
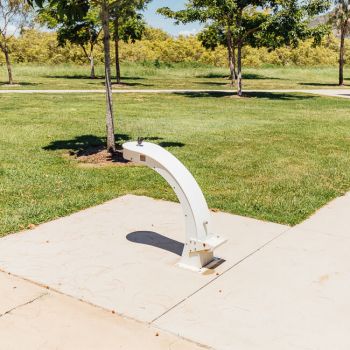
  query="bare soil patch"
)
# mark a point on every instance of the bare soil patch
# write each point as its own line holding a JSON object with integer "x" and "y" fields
{"x": 97, "y": 157}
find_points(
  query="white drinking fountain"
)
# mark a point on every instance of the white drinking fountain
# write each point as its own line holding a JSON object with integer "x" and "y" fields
{"x": 200, "y": 242}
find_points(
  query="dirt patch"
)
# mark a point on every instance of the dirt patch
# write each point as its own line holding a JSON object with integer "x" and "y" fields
{"x": 97, "y": 157}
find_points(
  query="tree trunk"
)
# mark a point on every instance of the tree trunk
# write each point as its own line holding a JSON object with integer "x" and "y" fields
{"x": 8, "y": 64}
{"x": 107, "y": 57}
{"x": 90, "y": 58}
{"x": 234, "y": 62}
{"x": 341, "y": 56}
{"x": 239, "y": 68}
{"x": 117, "y": 61}
{"x": 92, "y": 67}
{"x": 116, "y": 42}
{"x": 231, "y": 59}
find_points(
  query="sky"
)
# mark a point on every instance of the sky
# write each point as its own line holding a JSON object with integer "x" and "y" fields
{"x": 158, "y": 21}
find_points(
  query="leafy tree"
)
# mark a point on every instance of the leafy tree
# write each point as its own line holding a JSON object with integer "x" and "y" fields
{"x": 84, "y": 33}
{"x": 74, "y": 12}
{"x": 340, "y": 18}
{"x": 105, "y": 8}
{"x": 13, "y": 14}
{"x": 236, "y": 23}
{"x": 128, "y": 25}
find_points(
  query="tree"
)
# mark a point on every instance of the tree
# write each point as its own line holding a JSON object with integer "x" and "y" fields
{"x": 340, "y": 18}
{"x": 128, "y": 25}
{"x": 236, "y": 23}
{"x": 214, "y": 35}
{"x": 105, "y": 18}
{"x": 13, "y": 14}
{"x": 75, "y": 12}
{"x": 85, "y": 33}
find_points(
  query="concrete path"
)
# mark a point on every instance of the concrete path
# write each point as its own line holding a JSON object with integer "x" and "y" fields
{"x": 293, "y": 294}
{"x": 279, "y": 288}
{"x": 122, "y": 255}
{"x": 36, "y": 318}
{"x": 343, "y": 93}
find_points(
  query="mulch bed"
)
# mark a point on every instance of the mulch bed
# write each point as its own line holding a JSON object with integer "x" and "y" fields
{"x": 99, "y": 157}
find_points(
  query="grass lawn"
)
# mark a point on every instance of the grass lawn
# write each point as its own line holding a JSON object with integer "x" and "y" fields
{"x": 276, "y": 157}
{"x": 180, "y": 76}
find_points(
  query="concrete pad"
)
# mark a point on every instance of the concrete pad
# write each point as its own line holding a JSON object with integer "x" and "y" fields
{"x": 293, "y": 294}
{"x": 332, "y": 219}
{"x": 96, "y": 255}
{"x": 57, "y": 322}
{"x": 14, "y": 292}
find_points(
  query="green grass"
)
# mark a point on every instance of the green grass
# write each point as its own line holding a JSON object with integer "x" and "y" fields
{"x": 176, "y": 76}
{"x": 275, "y": 157}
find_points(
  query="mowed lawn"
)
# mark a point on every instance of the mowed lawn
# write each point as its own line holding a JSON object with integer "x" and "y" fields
{"x": 275, "y": 157}
{"x": 175, "y": 76}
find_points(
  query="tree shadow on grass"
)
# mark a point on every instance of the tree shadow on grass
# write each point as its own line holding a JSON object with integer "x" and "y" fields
{"x": 199, "y": 94}
{"x": 87, "y": 77}
{"x": 166, "y": 144}
{"x": 100, "y": 80}
{"x": 280, "y": 95}
{"x": 86, "y": 145}
{"x": 244, "y": 76}
{"x": 257, "y": 94}
{"x": 258, "y": 77}
{"x": 123, "y": 83}
{"x": 75, "y": 76}
{"x": 131, "y": 78}
{"x": 120, "y": 85}
{"x": 217, "y": 83}
{"x": 320, "y": 84}
{"x": 17, "y": 84}
{"x": 214, "y": 76}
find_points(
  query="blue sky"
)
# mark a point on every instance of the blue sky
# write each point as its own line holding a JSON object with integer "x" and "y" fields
{"x": 158, "y": 21}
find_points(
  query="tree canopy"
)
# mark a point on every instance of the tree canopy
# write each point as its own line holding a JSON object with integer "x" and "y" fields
{"x": 128, "y": 25}
{"x": 12, "y": 13}
{"x": 84, "y": 33}
{"x": 77, "y": 26}
{"x": 235, "y": 23}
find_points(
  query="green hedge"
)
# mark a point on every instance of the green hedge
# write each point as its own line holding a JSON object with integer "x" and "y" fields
{"x": 41, "y": 47}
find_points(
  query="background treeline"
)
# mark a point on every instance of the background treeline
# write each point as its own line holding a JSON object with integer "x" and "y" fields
{"x": 37, "y": 47}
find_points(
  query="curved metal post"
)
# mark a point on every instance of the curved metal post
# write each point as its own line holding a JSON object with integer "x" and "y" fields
{"x": 200, "y": 242}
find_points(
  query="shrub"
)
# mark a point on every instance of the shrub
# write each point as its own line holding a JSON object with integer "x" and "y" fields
{"x": 33, "y": 46}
